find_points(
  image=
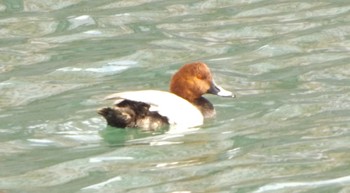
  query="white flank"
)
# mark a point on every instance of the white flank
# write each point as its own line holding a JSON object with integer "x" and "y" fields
{"x": 179, "y": 111}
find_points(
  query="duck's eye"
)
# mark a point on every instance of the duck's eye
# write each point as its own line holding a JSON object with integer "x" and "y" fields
{"x": 202, "y": 76}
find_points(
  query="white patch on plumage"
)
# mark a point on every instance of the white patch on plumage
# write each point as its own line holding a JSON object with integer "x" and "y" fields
{"x": 179, "y": 111}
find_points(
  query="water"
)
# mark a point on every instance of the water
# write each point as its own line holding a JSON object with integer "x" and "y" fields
{"x": 287, "y": 131}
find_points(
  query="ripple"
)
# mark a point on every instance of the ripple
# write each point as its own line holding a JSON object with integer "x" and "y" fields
{"x": 12, "y": 92}
{"x": 50, "y": 5}
{"x": 297, "y": 185}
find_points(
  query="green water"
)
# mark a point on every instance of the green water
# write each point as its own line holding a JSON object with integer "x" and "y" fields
{"x": 287, "y": 61}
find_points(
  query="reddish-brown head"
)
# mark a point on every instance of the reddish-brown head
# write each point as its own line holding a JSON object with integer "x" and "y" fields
{"x": 193, "y": 80}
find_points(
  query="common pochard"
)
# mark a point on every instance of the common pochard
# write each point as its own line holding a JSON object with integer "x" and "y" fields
{"x": 183, "y": 106}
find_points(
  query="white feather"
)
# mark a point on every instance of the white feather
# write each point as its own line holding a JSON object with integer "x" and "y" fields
{"x": 179, "y": 111}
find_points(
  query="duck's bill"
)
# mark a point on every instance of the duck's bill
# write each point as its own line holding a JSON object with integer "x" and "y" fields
{"x": 218, "y": 90}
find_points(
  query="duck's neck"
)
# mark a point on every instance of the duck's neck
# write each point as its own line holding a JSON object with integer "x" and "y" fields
{"x": 204, "y": 106}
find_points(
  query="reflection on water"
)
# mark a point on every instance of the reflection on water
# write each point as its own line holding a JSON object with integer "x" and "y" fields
{"x": 287, "y": 131}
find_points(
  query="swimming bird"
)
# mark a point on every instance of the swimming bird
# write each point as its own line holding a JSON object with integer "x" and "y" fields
{"x": 184, "y": 106}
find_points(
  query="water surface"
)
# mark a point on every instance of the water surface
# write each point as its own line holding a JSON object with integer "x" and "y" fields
{"x": 287, "y": 131}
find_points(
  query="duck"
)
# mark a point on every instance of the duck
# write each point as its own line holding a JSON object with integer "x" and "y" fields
{"x": 184, "y": 106}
